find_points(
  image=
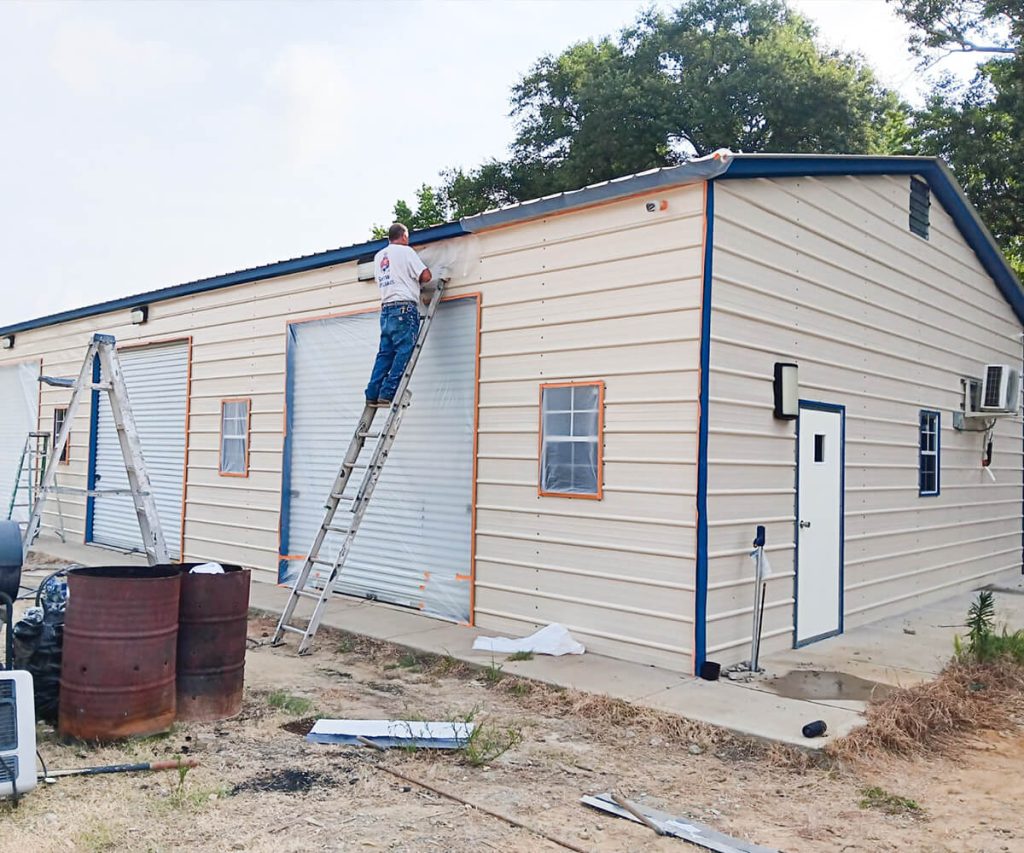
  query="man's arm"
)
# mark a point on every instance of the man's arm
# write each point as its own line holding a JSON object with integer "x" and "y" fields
{"x": 425, "y": 276}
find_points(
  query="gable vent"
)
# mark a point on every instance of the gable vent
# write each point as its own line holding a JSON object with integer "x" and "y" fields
{"x": 920, "y": 202}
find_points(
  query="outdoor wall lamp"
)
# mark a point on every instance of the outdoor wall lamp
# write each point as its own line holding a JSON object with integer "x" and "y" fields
{"x": 364, "y": 270}
{"x": 140, "y": 315}
{"x": 7, "y": 342}
{"x": 787, "y": 391}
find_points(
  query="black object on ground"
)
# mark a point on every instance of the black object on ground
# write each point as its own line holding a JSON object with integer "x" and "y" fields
{"x": 815, "y": 729}
{"x": 709, "y": 670}
{"x": 39, "y": 642}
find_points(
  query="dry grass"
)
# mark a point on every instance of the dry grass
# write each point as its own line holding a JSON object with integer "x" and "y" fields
{"x": 935, "y": 716}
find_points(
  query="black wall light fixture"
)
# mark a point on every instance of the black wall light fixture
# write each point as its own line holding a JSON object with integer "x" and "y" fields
{"x": 787, "y": 391}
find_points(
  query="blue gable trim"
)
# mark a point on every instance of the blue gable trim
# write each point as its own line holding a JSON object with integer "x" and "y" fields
{"x": 309, "y": 262}
{"x": 941, "y": 181}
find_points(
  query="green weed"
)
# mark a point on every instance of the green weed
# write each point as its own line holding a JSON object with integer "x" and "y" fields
{"x": 892, "y": 804}
{"x": 984, "y": 644}
{"x": 493, "y": 674}
{"x": 284, "y": 701}
{"x": 487, "y": 742}
{"x": 520, "y": 656}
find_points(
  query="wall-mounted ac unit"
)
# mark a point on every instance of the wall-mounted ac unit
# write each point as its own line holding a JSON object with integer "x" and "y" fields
{"x": 17, "y": 733}
{"x": 1000, "y": 390}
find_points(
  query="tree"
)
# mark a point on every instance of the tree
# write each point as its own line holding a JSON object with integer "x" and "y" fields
{"x": 430, "y": 210}
{"x": 740, "y": 74}
{"x": 978, "y": 128}
{"x": 983, "y": 26}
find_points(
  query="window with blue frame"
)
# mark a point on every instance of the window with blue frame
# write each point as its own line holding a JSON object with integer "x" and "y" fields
{"x": 928, "y": 454}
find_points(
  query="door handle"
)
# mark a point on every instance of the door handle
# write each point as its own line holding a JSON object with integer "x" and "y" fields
{"x": 805, "y": 524}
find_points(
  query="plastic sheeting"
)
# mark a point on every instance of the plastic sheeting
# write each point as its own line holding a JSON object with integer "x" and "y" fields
{"x": 551, "y": 640}
{"x": 413, "y": 547}
{"x": 19, "y": 401}
{"x": 570, "y": 452}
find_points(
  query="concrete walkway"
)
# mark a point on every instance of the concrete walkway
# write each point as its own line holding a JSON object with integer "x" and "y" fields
{"x": 830, "y": 680}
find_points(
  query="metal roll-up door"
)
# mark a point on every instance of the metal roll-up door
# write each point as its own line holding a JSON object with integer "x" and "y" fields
{"x": 413, "y": 547}
{"x": 157, "y": 380}
{"x": 19, "y": 403}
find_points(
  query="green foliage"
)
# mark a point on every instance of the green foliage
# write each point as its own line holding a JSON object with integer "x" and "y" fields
{"x": 488, "y": 742}
{"x": 284, "y": 701}
{"x": 984, "y": 644}
{"x": 520, "y": 656}
{"x": 892, "y": 804}
{"x": 431, "y": 209}
{"x": 740, "y": 74}
{"x": 493, "y": 674}
{"x": 977, "y": 128}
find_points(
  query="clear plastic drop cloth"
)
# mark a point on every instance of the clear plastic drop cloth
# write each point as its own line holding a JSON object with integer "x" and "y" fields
{"x": 569, "y": 453}
{"x": 19, "y": 401}
{"x": 413, "y": 547}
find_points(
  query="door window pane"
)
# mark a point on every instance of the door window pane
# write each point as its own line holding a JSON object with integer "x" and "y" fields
{"x": 928, "y": 453}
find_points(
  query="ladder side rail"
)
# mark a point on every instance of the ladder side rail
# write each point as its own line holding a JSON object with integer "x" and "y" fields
{"x": 17, "y": 482}
{"x": 50, "y": 474}
{"x": 131, "y": 449}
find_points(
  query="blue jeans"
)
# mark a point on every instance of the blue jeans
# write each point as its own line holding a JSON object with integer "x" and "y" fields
{"x": 399, "y": 328}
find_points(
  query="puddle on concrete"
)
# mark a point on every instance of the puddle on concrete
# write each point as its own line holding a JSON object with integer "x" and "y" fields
{"x": 818, "y": 684}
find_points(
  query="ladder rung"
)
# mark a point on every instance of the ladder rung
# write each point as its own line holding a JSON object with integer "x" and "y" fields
{"x": 292, "y": 628}
{"x": 100, "y": 386}
{"x": 317, "y": 561}
{"x": 341, "y": 496}
{"x": 369, "y": 434}
{"x": 333, "y": 528}
{"x": 305, "y": 593}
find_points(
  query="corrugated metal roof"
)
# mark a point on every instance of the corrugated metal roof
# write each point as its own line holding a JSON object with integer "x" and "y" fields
{"x": 722, "y": 165}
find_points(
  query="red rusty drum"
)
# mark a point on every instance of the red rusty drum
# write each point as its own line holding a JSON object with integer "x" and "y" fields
{"x": 120, "y": 642}
{"x": 211, "y": 643}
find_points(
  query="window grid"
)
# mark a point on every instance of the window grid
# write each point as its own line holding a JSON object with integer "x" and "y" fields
{"x": 571, "y": 434}
{"x": 58, "y": 424}
{"x": 928, "y": 453}
{"x": 234, "y": 438}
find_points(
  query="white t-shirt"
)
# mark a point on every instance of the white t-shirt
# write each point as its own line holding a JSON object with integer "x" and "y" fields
{"x": 397, "y": 269}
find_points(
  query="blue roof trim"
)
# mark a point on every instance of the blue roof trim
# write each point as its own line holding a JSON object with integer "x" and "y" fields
{"x": 296, "y": 265}
{"x": 939, "y": 178}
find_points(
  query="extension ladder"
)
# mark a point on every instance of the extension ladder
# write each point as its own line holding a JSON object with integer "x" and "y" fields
{"x": 355, "y": 506}
{"x": 101, "y": 371}
{"x": 31, "y": 466}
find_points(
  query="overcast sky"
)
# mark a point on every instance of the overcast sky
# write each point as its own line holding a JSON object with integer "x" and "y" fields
{"x": 148, "y": 144}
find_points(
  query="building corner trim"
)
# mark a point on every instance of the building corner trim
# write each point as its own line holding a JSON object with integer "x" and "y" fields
{"x": 701, "y": 585}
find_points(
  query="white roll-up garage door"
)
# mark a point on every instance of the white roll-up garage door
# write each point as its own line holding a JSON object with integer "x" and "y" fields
{"x": 157, "y": 380}
{"x": 413, "y": 547}
{"x": 19, "y": 403}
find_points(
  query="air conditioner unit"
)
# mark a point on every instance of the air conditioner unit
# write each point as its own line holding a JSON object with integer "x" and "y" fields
{"x": 17, "y": 733}
{"x": 1000, "y": 390}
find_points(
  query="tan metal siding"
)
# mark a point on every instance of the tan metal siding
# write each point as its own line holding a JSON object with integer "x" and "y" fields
{"x": 826, "y": 273}
{"x": 609, "y": 293}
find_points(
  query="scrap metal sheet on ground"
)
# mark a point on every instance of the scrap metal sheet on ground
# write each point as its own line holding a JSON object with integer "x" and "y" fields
{"x": 688, "y": 830}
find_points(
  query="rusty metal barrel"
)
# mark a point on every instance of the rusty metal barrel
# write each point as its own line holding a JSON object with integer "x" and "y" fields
{"x": 211, "y": 643}
{"x": 120, "y": 643}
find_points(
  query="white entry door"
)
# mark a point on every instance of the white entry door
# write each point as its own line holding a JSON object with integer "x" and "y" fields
{"x": 157, "y": 380}
{"x": 819, "y": 572}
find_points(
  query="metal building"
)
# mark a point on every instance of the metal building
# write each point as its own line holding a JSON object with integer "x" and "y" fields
{"x": 594, "y": 435}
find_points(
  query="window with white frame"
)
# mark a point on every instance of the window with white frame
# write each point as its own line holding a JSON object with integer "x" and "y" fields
{"x": 234, "y": 437}
{"x": 928, "y": 453}
{"x": 570, "y": 451}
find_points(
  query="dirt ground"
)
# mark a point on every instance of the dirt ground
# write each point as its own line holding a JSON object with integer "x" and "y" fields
{"x": 262, "y": 787}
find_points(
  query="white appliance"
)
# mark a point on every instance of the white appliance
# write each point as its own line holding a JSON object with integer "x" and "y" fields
{"x": 1000, "y": 391}
{"x": 17, "y": 733}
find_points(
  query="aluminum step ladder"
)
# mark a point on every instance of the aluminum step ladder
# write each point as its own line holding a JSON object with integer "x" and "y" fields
{"x": 101, "y": 371}
{"x": 353, "y": 507}
{"x": 31, "y": 466}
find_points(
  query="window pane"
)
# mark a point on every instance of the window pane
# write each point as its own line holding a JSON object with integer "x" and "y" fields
{"x": 557, "y": 399}
{"x": 584, "y": 454}
{"x": 557, "y": 424}
{"x": 584, "y": 423}
{"x": 585, "y": 397}
{"x": 234, "y": 427}
{"x": 232, "y": 456}
{"x": 558, "y": 453}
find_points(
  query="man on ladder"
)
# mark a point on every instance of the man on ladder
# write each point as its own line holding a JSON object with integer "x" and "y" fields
{"x": 400, "y": 274}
